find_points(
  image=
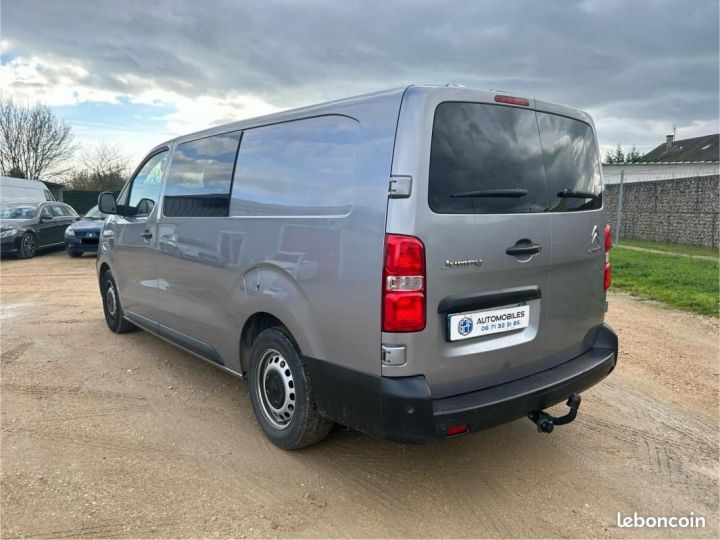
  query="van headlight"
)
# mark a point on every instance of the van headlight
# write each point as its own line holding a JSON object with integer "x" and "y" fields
{"x": 69, "y": 231}
{"x": 7, "y": 233}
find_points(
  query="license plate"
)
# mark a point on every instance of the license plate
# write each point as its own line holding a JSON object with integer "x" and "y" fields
{"x": 490, "y": 321}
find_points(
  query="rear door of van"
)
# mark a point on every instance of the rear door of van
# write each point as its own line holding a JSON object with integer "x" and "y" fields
{"x": 481, "y": 204}
{"x": 575, "y": 296}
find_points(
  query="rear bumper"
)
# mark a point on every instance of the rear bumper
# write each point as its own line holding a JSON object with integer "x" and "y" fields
{"x": 403, "y": 410}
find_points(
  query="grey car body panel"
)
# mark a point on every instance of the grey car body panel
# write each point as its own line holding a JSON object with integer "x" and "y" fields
{"x": 569, "y": 277}
{"x": 136, "y": 270}
{"x": 204, "y": 277}
{"x": 198, "y": 280}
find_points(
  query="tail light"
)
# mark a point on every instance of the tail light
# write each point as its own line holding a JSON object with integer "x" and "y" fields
{"x": 403, "y": 302}
{"x": 607, "y": 275}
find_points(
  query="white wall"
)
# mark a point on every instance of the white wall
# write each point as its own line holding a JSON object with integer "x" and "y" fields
{"x": 645, "y": 172}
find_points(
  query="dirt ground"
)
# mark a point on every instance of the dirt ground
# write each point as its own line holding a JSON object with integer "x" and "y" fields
{"x": 125, "y": 436}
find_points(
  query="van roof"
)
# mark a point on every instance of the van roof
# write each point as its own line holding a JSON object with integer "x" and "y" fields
{"x": 454, "y": 92}
{"x": 22, "y": 182}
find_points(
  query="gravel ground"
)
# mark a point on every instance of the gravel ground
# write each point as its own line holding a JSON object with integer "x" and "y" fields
{"x": 125, "y": 436}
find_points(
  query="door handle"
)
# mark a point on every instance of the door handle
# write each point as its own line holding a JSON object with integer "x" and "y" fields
{"x": 524, "y": 249}
{"x": 147, "y": 235}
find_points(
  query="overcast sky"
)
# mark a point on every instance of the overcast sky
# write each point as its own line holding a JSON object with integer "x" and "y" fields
{"x": 137, "y": 73}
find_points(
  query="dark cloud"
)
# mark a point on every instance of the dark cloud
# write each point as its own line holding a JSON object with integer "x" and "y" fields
{"x": 654, "y": 61}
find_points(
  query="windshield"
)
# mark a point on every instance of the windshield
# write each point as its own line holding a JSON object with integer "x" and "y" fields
{"x": 94, "y": 213}
{"x": 17, "y": 211}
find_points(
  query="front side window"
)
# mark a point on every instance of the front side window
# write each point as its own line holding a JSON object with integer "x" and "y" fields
{"x": 303, "y": 167}
{"x": 200, "y": 176}
{"x": 145, "y": 188}
{"x": 46, "y": 212}
{"x": 485, "y": 159}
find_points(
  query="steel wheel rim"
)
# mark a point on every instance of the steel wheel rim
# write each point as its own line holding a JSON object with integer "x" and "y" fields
{"x": 28, "y": 245}
{"x": 275, "y": 389}
{"x": 111, "y": 301}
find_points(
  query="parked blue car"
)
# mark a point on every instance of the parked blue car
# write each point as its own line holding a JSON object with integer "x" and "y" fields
{"x": 82, "y": 236}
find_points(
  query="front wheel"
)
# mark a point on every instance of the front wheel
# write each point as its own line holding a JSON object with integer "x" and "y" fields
{"x": 114, "y": 316}
{"x": 28, "y": 246}
{"x": 282, "y": 393}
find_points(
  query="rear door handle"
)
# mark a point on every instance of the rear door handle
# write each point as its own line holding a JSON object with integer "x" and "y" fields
{"x": 531, "y": 249}
{"x": 147, "y": 235}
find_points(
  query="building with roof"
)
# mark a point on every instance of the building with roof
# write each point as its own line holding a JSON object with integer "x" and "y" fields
{"x": 671, "y": 195}
{"x": 696, "y": 157}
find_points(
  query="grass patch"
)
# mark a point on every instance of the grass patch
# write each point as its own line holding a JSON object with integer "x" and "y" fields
{"x": 680, "y": 282}
{"x": 680, "y": 249}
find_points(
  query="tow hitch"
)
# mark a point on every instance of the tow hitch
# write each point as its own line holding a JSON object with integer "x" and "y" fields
{"x": 546, "y": 422}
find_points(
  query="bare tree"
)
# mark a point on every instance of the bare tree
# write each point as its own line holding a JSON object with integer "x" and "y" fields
{"x": 103, "y": 168}
{"x": 33, "y": 141}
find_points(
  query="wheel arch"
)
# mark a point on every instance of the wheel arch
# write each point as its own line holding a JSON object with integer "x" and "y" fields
{"x": 253, "y": 327}
{"x": 104, "y": 267}
{"x": 267, "y": 296}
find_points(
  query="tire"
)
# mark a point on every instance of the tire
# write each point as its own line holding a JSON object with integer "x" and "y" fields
{"x": 111, "y": 305}
{"x": 28, "y": 246}
{"x": 75, "y": 254}
{"x": 282, "y": 394}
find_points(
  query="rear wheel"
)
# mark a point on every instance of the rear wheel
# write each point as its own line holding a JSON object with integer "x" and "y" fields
{"x": 282, "y": 393}
{"x": 75, "y": 253}
{"x": 28, "y": 246}
{"x": 111, "y": 305}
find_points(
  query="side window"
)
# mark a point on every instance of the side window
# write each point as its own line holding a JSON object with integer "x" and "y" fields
{"x": 200, "y": 175}
{"x": 302, "y": 167}
{"x": 145, "y": 187}
{"x": 48, "y": 195}
{"x": 571, "y": 162}
{"x": 57, "y": 210}
{"x": 67, "y": 211}
{"x": 46, "y": 212}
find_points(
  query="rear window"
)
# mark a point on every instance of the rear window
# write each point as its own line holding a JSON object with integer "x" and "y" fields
{"x": 58, "y": 211}
{"x": 492, "y": 159}
{"x": 571, "y": 162}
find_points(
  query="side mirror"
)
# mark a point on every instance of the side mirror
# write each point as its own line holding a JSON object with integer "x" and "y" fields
{"x": 45, "y": 218}
{"x": 107, "y": 203}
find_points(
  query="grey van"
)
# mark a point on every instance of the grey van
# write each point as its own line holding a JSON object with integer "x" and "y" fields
{"x": 417, "y": 264}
